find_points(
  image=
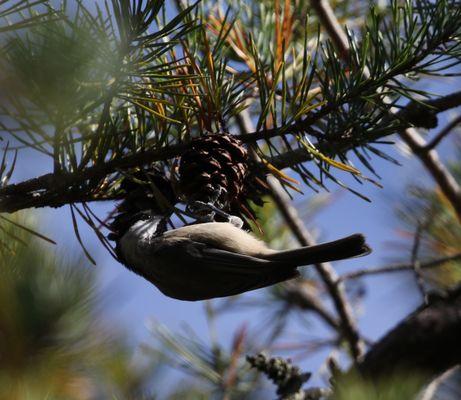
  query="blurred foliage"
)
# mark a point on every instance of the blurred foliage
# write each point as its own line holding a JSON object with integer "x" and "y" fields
{"x": 60, "y": 69}
{"x": 216, "y": 372}
{"x": 20, "y": 14}
{"x": 71, "y": 80}
{"x": 399, "y": 387}
{"x": 54, "y": 343}
{"x": 440, "y": 228}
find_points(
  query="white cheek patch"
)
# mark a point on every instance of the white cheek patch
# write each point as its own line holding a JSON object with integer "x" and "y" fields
{"x": 137, "y": 237}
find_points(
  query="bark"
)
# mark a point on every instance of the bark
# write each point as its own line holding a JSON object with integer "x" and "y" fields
{"x": 426, "y": 342}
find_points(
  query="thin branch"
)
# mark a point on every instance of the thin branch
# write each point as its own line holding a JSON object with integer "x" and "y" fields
{"x": 328, "y": 20}
{"x": 413, "y": 111}
{"x": 65, "y": 180}
{"x": 298, "y": 295}
{"x": 410, "y": 136}
{"x": 398, "y": 267}
{"x": 442, "y": 176}
{"x": 443, "y": 133}
{"x": 10, "y": 204}
{"x": 445, "y": 103}
{"x": 415, "y": 260}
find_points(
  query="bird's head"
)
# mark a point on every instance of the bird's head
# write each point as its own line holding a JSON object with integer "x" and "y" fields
{"x": 148, "y": 195}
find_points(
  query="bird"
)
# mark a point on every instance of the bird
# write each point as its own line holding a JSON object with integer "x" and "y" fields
{"x": 209, "y": 260}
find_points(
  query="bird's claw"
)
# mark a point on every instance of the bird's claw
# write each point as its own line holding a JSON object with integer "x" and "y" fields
{"x": 236, "y": 221}
{"x": 206, "y": 212}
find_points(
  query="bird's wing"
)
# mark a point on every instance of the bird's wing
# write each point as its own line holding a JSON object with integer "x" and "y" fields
{"x": 218, "y": 273}
{"x": 241, "y": 263}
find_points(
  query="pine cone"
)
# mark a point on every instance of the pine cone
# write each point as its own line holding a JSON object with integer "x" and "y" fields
{"x": 288, "y": 378}
{"x": 215, "y": 162}
{"x": 220, "y": 164}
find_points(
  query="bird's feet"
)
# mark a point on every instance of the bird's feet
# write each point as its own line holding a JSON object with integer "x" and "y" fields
{"x": 206, "y": 212}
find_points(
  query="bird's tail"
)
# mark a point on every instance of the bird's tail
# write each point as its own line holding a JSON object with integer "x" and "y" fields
{"x": 350, "y": 246}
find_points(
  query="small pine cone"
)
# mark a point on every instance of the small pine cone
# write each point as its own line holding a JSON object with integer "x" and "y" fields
{"x": 215, "y": 162}
{"x": 288, "y": 378}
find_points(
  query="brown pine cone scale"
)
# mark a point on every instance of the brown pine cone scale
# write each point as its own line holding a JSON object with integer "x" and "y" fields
{"x": 214, "y": 162}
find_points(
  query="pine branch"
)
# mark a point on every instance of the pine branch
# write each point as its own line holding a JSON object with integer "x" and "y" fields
{"x": 443, "y": 133}
{"x": 399, "y": 267}
{"x": 410, "y": 136}
{"x": 424, "y": 112}
{"x": 19, "y": 9}
{"x": 334, "y": 142}
{"x": 33, "y": 192}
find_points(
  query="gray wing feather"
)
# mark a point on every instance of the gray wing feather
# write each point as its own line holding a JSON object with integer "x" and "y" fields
{"x": 197, "y": 272}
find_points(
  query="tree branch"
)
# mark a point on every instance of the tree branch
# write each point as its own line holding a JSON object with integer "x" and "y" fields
{"x": 427, "y": 341}
{"x": 443, "y": 133}
{"x": 410, "y": 136}
{"x": 328, "y": 20}
{"x": 298, "y": 295}
{"x": 31, "y": 193}
{"x": 398, "y": 267}
{"x": 442, "y": 176}
{"x": 411, "y": 112}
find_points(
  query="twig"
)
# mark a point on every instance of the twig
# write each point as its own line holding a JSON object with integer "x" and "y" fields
{"x": 443, "y": 133}
{"x": 49, "y": 181}
{"x": 410, "y": 136}
{"x": 413, "y": 111}
{"x": 445, "y": 103}
{"x": 56, "y": 199}
{"x": 443, "y": 177}
{"x": 398, "y": 267}
{"x": 415, "y": 261}
{"x": 328, "y": 20}
{"x": 434, "y": 388}
{"x": 296, "y": 294}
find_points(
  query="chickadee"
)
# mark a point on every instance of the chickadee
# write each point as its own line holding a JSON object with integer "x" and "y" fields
{"x": 216, "y": 259}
